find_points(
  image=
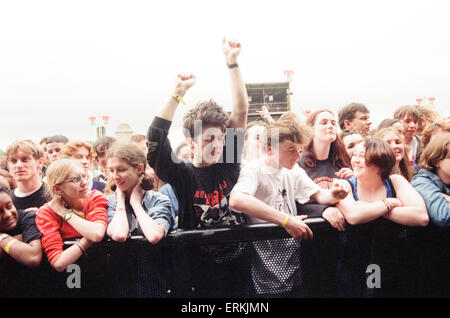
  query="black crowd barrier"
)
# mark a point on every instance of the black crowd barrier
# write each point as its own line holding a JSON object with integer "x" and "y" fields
{"x": 412, "y": 263}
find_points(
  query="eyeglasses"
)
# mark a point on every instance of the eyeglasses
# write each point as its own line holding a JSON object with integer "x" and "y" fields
{"x": 77, "y": 179}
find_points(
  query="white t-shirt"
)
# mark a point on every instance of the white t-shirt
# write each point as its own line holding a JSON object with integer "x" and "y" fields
{"x": 276, "y": 266}
{"x": 278, "y": 188}
{"x": 414, "y": 144}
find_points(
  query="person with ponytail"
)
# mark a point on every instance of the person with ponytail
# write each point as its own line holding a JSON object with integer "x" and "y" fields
{"x": 74, "y": 212}
{"x": 135, "y": 209}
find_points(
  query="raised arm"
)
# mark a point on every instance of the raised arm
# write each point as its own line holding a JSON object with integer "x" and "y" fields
{"x": 182, "y": 84}
{"x": 231, "y": 50}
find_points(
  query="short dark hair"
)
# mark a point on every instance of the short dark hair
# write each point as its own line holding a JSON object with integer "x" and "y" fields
{"x": 380, "y": 154}
{"x": 209, "y": 112}
{"x": 348, "y": 112}
{"x": 57, "y": 138}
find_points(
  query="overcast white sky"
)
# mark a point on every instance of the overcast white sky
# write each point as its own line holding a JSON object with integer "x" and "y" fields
{"x": 64, "y": 61}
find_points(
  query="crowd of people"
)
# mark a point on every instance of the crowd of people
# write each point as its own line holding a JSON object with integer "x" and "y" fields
{"x": 374, "y": 186}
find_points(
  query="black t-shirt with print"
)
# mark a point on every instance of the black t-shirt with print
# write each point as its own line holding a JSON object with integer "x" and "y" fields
{"x": 202, "y": 193}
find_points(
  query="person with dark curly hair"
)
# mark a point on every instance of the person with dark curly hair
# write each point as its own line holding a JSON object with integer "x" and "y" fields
{"x": 203, "y": 186}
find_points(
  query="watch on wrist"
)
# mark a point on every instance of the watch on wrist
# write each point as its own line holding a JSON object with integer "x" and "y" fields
{"x": 233, "y": 65}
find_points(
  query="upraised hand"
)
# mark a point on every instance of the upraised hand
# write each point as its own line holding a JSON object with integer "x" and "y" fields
{"x": 183, "y": 82}
{"x": 231, "y": 50}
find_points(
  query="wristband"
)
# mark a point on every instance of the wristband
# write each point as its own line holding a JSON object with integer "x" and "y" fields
{"x": 286, "y": 219}
{"x": 178, "y": 98}
{"x": 81, "y": 247}
{"x": 8, "y": 246}
{"x": 233, "y": 65}
{"x": 67, "y": 215}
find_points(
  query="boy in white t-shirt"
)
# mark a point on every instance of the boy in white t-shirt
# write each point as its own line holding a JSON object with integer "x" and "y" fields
{"x": 266, "y": 191}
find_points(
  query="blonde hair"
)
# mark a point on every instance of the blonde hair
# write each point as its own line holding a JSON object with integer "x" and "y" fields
{"x": 26, "y": 145}
{"x": 59, "y": 172}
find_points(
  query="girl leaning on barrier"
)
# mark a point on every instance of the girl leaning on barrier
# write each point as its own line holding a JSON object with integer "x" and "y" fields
{"x": 22, "y": 274}
{"x": 19, "y": 236}
{"x": 136, "y": 210}
{"x": 378, "y": 209}
{"x": 73, "y": 213}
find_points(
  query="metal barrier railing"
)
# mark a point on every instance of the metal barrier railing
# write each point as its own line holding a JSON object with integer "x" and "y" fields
{"x": 174, "y": 248}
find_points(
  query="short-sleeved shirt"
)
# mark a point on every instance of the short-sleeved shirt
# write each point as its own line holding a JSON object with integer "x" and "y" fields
{"x": 26, "y": 225}
{"x": 280, "y": 189}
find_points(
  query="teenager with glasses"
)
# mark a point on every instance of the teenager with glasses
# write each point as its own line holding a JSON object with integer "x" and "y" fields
{"x": 83, "y": 152}
{"x": 74, "y": 212}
